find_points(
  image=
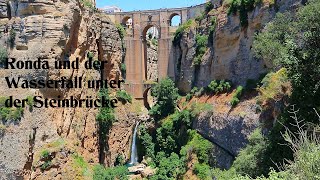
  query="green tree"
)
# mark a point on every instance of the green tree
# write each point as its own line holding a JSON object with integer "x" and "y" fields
{"x": 166, "y": 94}
{"x": 292, "y": 41}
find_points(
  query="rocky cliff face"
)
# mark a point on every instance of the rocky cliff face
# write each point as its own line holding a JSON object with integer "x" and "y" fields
{"x": 152, "y": 62}
{"x": 55, "y": 30}
{"x": 230, "y": 56}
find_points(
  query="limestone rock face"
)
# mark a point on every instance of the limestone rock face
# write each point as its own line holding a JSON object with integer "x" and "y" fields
{"x": 54, "y": 30}
{"x": 230, "y": 56}
{"x": 152, "y": 63}
{"x": 3, "y": 9}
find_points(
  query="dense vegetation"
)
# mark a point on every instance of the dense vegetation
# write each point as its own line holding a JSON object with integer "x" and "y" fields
{"x": 9, "y": 114}
{"x": 172, "y": 145}
{"x": 243, "y": 7}
{"x": 124, "y": 97}
{"x": 290, "y": 44}
{"x": 166, "y": 94}
{"x": 182, "y": 29}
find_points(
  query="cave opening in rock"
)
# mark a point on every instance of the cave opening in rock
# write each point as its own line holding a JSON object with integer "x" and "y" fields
{"x": 151, "y": 49}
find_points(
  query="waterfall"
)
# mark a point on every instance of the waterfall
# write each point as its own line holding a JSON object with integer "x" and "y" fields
{"x": 134, "y": 150}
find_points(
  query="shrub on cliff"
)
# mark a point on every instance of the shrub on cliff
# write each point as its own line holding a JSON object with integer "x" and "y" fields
{"x": 219, "y": 86}
{"x": 197, "y": 145}
{"x": 166, "y": 94}
{"x": 146, "y": 141}
{"x": 182, "y": 29}
{"x": 124, "y": 97}
{"x": 236, "y": 96}
{"x": 243, "y": 7}
{"x": 118, "y": 172}
{"x": 170, "y": 167}
{"x": 202, "y": 171}
{"x": 250, "y": 159}
{"x": 9, "y": 114}
{"x": 3, "y": 55}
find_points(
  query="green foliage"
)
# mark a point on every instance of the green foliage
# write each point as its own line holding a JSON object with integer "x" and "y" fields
{"x": 292, "y": 41}
{"x": 146, "y": 140}
{"x": 30, "y": 102}
{"x": 250, "y": 159}
{"x": 169, "y": 168}
{"x": 90, "y": 55}
{"x": 243, "y": 7}
{"x": 170, "y": 136}
{"x": 305, "y": 164}
{"x": 197, "y": 108}
{"x": 119, "y": 172}
{"x": 201, "y": 43}
{"x": 192, "y": 93}
{"x": 209, "y": 7}
{"x": 124, "y": 97}
{"x": 3, "y": 55}
{"x": 105, "y": 119}
{"x": 105, "y": 114}
{"x": 121, "y": 31}
{"x": 45, "y": 165}
{"x": 274, "y": 86}
{"x": 120, "y": 161}
{"x": 123, "y": 68}
{"x": 201, "y": 17}
{"x": 45, "y": 154}
{"x": 166, "y": 137}
{"x": 166, "y": 94}
{"x": 295, "y": 46}
{"x": 202, "y": 171}
{"x": 236, "y": 96}
{"x": 198, "y": 145}
{"x": 306, "y": 147}
{"x": 182, "y": 29}
{"x": 80, "y": 166}
{"x": 12, "y": 37}
{"x": 88, "y": 4}
{"x": 7, "y": 114}
{"x": 154, "y": 42}
{"x": 219, "y": 86}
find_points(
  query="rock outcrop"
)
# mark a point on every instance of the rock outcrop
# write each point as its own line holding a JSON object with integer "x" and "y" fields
{"x": 230, "y": 56}
{"x": 55, "y": 30}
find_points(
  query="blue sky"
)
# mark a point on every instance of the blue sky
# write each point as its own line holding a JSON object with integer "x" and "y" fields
{"x": 131, "y": 5}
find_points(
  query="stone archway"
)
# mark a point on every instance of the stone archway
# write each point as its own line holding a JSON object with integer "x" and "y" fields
{"x": 146, "y": 98}
{"x": 172, "y": 16}
{"x": 150, "y": 36}
{"x": 127, "y": 21}
{"x": 135, "y": 42}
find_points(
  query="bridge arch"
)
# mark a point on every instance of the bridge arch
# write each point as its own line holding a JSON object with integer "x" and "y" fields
{"x": 146, "y": 98}
{"x": 136, "y": 43}
{"x": 127, "y": 21}
{"x": 173, "y": 18}
{"x": 147, "y": 27}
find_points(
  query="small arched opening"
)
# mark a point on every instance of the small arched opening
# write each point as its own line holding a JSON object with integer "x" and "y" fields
{"x": 175, "y": 20}
{"x": 127, "y": 22}
{"x": 150, "y": 38}
{"x": 147, "y": 98}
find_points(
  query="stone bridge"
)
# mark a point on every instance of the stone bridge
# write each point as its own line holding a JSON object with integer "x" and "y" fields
{"x": 136, "y": 46}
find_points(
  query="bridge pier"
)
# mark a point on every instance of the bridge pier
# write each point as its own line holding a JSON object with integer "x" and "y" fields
{"x": 136, "y": 57}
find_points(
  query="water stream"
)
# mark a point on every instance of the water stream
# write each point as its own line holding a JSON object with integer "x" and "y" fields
{"x": 134, "y": 150}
